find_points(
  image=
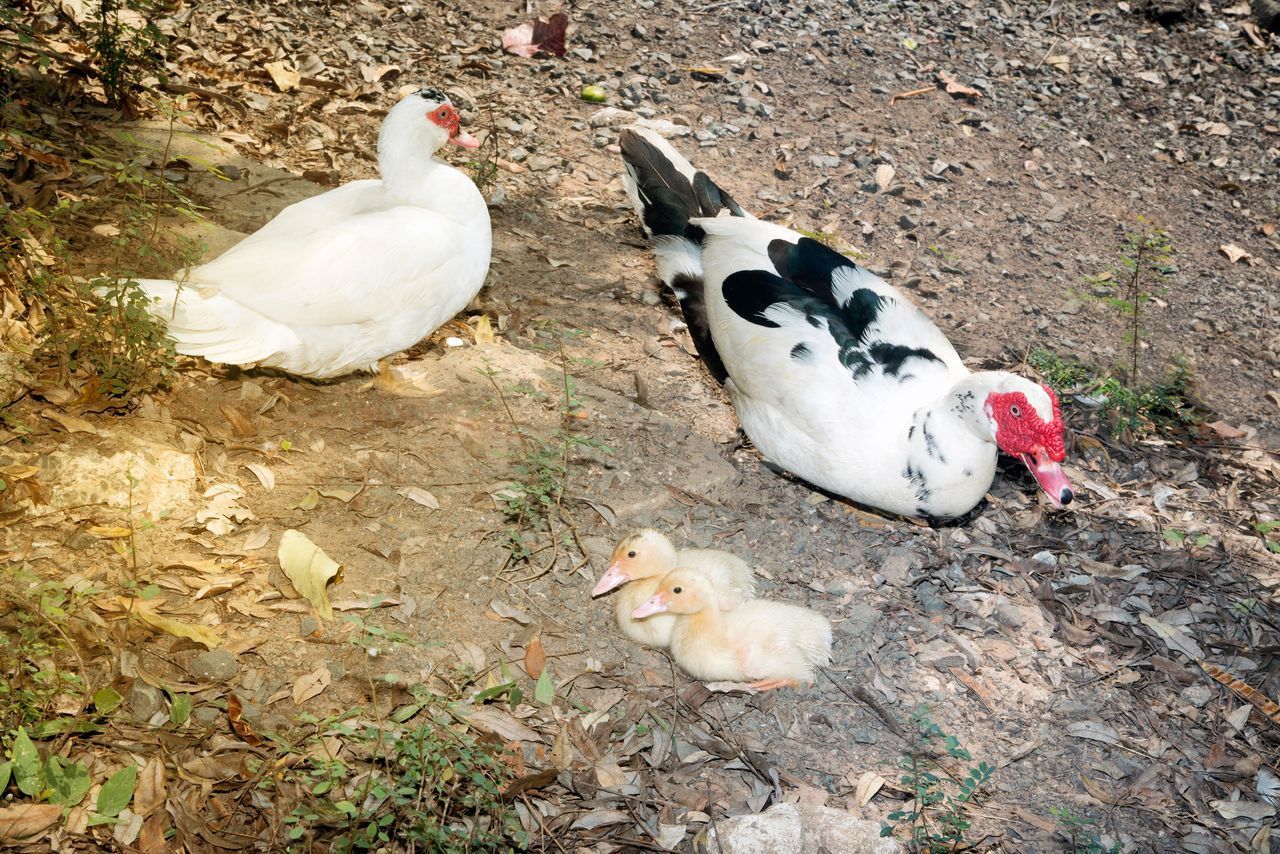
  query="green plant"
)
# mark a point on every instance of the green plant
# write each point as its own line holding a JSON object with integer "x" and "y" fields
{"x": 1269, "y": 530}
{"x": 33, "y": 647}
{"x": 1159, "y": 406}
{"x": 1075, "y": 829}
{"x": 125, "y": 48}
{"x": 937, "y": 819}
{"x": 1144, "y": 256}
{"x": 533, "y": 501}
{"x": 418, "y": 780}
{"x": 97, "y": 328}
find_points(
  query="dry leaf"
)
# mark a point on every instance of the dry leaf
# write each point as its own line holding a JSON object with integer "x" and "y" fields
{"x": 537, "y": 36}
{"x": 311, "y": 685}
{"x": 235, "y": 714}
{"x": 535, "y": 659}
{"x": 309, "y": 569}
{"x": 150, "y": 792}
{"x": 954, "y": 87}
{"x": 409, "y": 380}
{"x": 419, "y": 496}
{"x": 283, "y": 75}
{"x": 264, "y": 475}
{"x": 70, "y": 423}
{"x": 240, "y": 423}
{"x": 144, "y": 610}
{"x": 507, "y": 611}
{"x": 500, "y": 723}
{"x": 1101, "y": 794}
{"x": 1175, "y": 637}
{"x": 109, "y": 532}
{"x": 1094, "y": 731}
{"x": 484, "y": 330}
{"x": 1234, "y": 253}
{"x": 599, "y": 817}
{"x": 1252, "y": 810}
{"x": 24, "y": 821}
{"x": 868, "y": 785}
{"x": 1243, "y": 690}
{"x": 1062, "y": 62}
{"x": 1227, "y": 431}
{"x": 256, "y": 539}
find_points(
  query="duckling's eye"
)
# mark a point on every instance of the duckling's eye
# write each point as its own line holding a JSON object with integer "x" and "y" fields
{"x": 1015, "y": 411}
{"x": 631, "y": 554}
{"x": 676, "y": 590}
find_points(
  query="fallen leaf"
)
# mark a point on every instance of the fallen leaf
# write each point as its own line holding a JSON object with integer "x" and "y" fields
{"x": 537, "y": 36}
{"x": 419, "y": 496}
{"x": 257, "y": 538}
{"x": 311, "y": 685}
{"x": 507, "y": 611}
{"x": 70, "y": 423}
{"x": 343, "y": 494}
{"x": 1226, "y": 431}
{"x": 1234, "y": 253}
{"x": 1101, "y": 794}
{"x": 264, "y": 475}
{"x": 405, "y": 380}
{"x": 500, "y": 723}
{"x": 151, "y": 792}
{"x": 868, "y": 784}
{"x": 283, "y": 75}
{"x": 1175, "y": 637}
{"x": 24, "y": 821}
{"x": 1094, "y": 731}
{"x": 144, "y": 610}
{"x": 484, "y": 330}
{"x": 235, "y": 714}
{"x": 1252, "y": 810}
{"x": 535, "y": 658}
{"x": 309, "y": 569}
{"x": 1214, "y": 128}
{"x": 240, "y": 423}
{"x": 109, "y": 532}
{"x": 1060, "y": 61}
{"x": 599, "y": 817}
{"x": 955, "y": 87}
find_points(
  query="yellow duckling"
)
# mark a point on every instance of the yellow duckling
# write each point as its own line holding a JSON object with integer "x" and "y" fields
{"x": 770, "y": 644}
{"x": 642, "y": 559}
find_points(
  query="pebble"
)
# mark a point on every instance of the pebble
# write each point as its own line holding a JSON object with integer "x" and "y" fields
{"x": 216, "y": 665}
{"x": 145, "y": 701}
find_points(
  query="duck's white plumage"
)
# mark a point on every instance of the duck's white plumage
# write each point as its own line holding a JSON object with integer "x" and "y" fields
{"x": 334, "y": 283}
{"x": 834, "y": 374}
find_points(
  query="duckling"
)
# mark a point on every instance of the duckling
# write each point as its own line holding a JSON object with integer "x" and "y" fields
{"x": 770, "y": 644}
{"x": 643, "y": 558}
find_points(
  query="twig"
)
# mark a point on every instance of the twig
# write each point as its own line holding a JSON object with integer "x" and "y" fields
{"x": 861, "y": 694}
{"x": 923, "y": 90}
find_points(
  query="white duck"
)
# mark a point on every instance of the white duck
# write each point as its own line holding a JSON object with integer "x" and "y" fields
{"x": 770, "y": 644}
{"x": 639, "y": 563}
{"x": 334, "y": 283}
{"x": 834, "y": 374}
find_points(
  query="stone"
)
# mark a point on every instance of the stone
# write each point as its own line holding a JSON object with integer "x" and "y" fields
{"x": 216, "y": 665}
{"x": 145, "y": 701}
{"x": 163, "y": 478}
{"x": 800, "y": 829}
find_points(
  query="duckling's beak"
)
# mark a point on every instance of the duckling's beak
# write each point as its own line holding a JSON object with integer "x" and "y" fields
{"x": 655, "y": 604}
{"x": 613, "y": 577}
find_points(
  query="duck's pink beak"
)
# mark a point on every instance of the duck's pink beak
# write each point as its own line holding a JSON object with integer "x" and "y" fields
{"x": 613, "y": 577}
{"x": 1050, "y": 476}
{"x": 464, "y": 139}
{"x": 655, "y": 604}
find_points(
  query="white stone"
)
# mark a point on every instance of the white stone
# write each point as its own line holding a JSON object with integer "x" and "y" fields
{"x": 801, "y": 829}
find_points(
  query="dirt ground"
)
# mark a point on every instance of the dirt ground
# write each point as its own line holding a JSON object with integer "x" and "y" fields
{"x": 1066, "y": 648}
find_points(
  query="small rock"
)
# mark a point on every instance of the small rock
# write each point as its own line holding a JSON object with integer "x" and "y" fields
{"x": 1197, "y": 695}
{"x": 518, "y": 154}
{"x": 906, "y": 223}
{"x": 940, "y": 655}
{"x": 1057, "y": 213}
{"x": 541, "y": 163}
{"x": 1046, "y": 557}
{"x": 927, "y": 595}
{"x": 145, "y": 701}
{"x": 216, "y": 665}
{"x": 207, "y": 715}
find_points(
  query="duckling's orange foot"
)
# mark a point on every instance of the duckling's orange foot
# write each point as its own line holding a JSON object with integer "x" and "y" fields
{"x": 770, "y": 684}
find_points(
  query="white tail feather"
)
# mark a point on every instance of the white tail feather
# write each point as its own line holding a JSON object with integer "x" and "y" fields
{"x": 212, "y": 326}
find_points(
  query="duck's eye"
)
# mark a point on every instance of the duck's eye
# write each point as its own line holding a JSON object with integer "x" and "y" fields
{"x": 631, "y": 554}
{"x": 1015, "y": 411}
{"x": 676, "y": 590}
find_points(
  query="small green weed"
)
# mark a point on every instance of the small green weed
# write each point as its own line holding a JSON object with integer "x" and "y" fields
{"x": 126, "y": 47}
{"x": 534, "y": 501}
{"x": 1158, "y": 407}
{"x": 1076, "y": 830}
{"x": 1127, "y": 287}
{"x": 33, "y": 643}
{"x": 420, "y": 780}
{"x": 1269, "y": 530}
{"x": 936, "y": 819}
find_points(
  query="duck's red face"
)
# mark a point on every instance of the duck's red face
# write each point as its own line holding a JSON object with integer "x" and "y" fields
{"x": 1022, "y": 432}
{"x": 446, "y": 117}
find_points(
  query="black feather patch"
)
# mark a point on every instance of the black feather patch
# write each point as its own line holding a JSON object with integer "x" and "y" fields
{"x": 693, "y": 306}
{"x": 429, "y": 93}
{"x": 668, "y": 197}
{"x": 750, "y": 292}
{"x": 812, "y": 266}
{"x": 892, "y": 356}
{"x": 917, "y": 480}
{"x": 801, "y": 352}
